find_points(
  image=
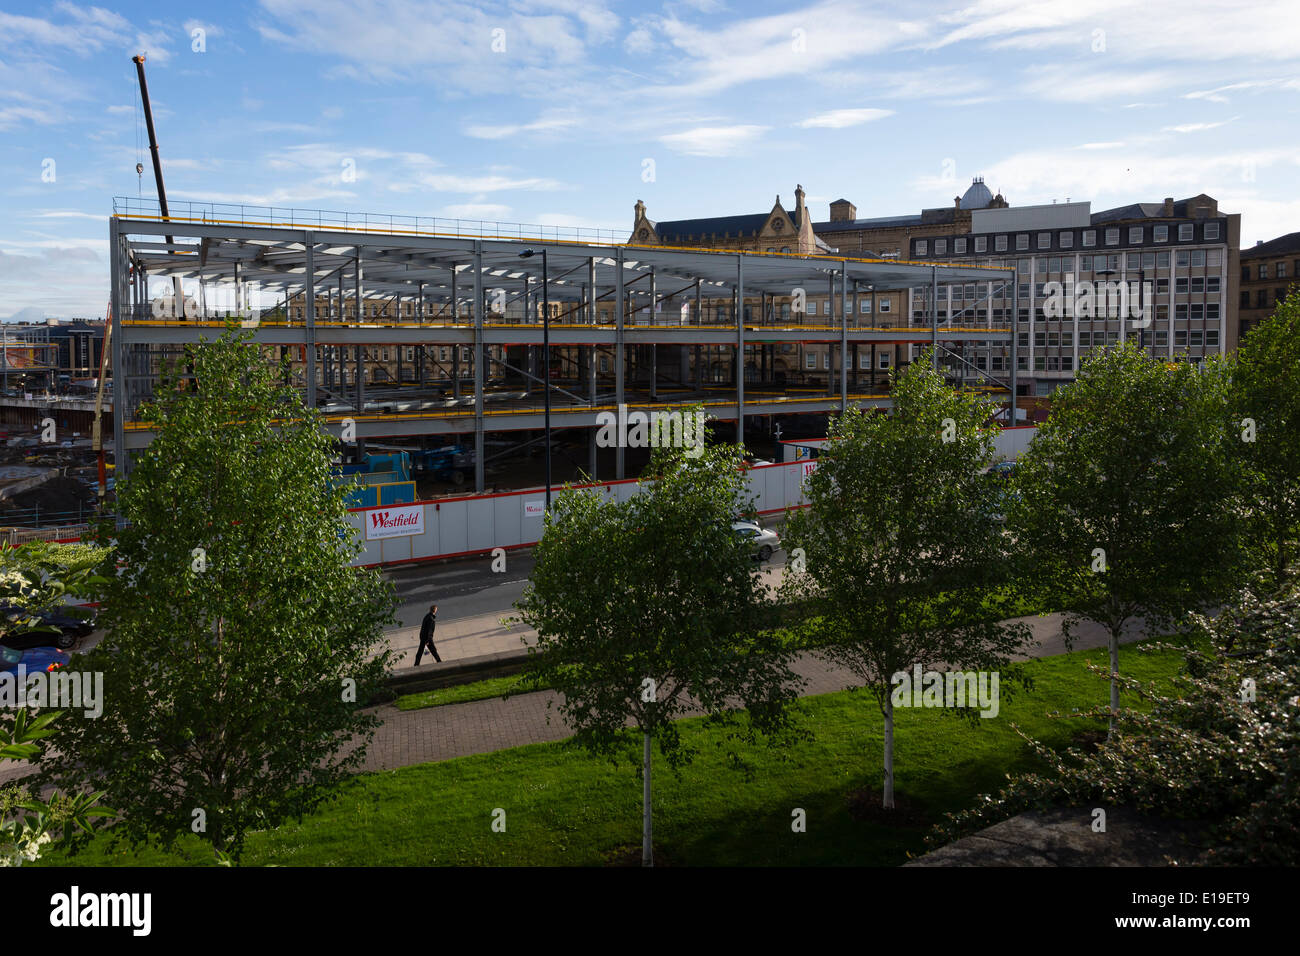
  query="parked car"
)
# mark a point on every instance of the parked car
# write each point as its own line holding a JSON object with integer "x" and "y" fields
{"x": 762, "y": 540}
{"x": 34, "y": 659}
{"x": 56, "y": 628}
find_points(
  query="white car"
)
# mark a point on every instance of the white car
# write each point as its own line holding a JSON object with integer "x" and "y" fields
{"x": 763, "y": 540}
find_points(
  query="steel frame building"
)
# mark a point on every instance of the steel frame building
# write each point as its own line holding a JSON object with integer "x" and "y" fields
{"x": 477, "y": 292}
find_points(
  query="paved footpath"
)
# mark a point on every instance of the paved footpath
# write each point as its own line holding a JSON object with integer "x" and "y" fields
{"x": 457, "y": 730}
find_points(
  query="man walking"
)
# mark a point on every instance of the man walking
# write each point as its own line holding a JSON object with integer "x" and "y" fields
{"x": 426, "y": 635}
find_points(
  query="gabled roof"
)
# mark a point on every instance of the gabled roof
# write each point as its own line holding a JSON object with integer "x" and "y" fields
{"x": 1281, "y": 246}
{"x": 679, "y": 229}
{"x": 846, "y": 225}
{"x": 1147, "y": 210}
{"x": 1137, "y": 210}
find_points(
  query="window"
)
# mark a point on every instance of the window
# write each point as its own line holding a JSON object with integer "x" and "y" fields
{"x": 1198, "y": 283}
{"x": 1180, "y": 338}
{"x": 1148, "y": 260}
{"x": 1053, "y": 363}
{"x": 1162, "y": 286}
{"x": 1263, "y": 270}
{"x": 1161, "y": 233}
{"x": 884, "y": 360}
{"x": 1211, "y": 230}
{"x": 442, "y": 354}
{"x": 1022, "y": 339}
{"x": 866, "y": 305}
{"x": 1067, "y": 363}
{"x": 1044, "y": 240}
{"x": 1212, "y": 338}
{"x": 959, "y": 246}
{"x": 1195, "y": 339}
{"x": 1112, "y": 237}
{"x": 1090, "y": 237}
{"x": 884, "y": 304}
{"x": 1134, "y": 234}
{"x": 1162, "y": 338}
{"x": 826, "y": 360}
{"x": 1180, "y": 312}
{"x": 1040, "y": 363}
{"x": 1067, "y": 340}
{"x": 1180, "y": 285}
{"x": 922, "y": 247}
{"x": 1000, "y": 244}
{"x": 1198, "y": 258}
{"x": 1022, "y": 241}
{"x": 1281, "y": 270}
{"x": 1211, "y": 283}
{"x": 1162, "y": 260}
{"x": 1067, "y": 240}
{"x": 812, "y": 308}
{"x": 981, "y": 243}
{"x": 1040, "y": 339}
{"x": 1198, "y": 310}
{"x": 1022, "y": 362}
{"x": 1085, "y": 263}
{"x": 810, "y": 360}
{"x": 1245, "y": 273}
{"x": 1134, "y": 260}
{"x": 864, "y": 361}
{"x": 940, "y": 247}
{"x": 1185, "y": 232}
{"x": 465, "y": 354}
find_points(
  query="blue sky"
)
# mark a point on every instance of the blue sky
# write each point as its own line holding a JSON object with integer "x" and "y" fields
{"x": 547, "y": 111}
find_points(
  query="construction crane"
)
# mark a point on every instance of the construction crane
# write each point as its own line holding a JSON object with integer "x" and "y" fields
{"x": 179, "y": 295}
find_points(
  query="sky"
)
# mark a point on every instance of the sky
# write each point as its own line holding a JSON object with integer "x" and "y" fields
{"x": 566, "y": 112}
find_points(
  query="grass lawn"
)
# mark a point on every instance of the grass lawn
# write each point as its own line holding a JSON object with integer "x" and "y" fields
{"x": 461, "y": 693}
{"x": 564, "y": 808}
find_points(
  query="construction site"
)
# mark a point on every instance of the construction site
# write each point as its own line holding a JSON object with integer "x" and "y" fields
{"x": 458, "y": 350}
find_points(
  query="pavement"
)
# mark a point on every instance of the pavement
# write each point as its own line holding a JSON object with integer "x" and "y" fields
{"x": 473, "y": 603}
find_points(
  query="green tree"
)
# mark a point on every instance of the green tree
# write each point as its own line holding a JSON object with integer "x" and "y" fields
{"x": 650, "y": 608}
{"x": 1266, "y": 394}
{"x": 903, "y": 551}
{"x": 1127, "y": 499}
{"x": 240, "y": 644}
{"x": 34, "y": 579}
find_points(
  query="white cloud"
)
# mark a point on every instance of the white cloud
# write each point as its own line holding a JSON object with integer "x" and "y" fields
{"x": 838, "y": 119}
{"x": 545, "y": 124}
{"x": 712, "y": 140}
{"x": 1195, "y": 127}
{"x": 1216, "y": 95}
{"x": 453, "y": 183}
{"x": 471, "y": 210}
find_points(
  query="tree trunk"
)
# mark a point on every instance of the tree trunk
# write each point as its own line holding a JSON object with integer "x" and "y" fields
{"x": 647, "y": 827}
{"x": 1114, "y": 682}
{"x": 888, "y": 801}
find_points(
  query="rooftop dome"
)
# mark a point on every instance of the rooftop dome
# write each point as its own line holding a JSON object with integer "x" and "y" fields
{"x": 977, "y": 196}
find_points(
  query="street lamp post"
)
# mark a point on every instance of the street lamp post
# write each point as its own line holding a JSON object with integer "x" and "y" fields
{"x": 546, "y": 363}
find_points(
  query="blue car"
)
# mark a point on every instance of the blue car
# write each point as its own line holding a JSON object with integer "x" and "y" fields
{"x": 33, "y": 658}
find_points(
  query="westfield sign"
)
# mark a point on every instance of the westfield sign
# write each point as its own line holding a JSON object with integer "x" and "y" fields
{"x": 395, "y": 521}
